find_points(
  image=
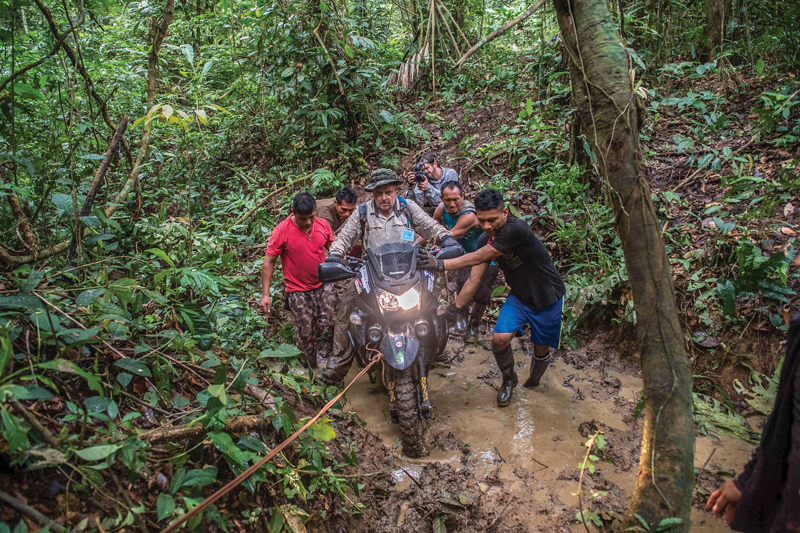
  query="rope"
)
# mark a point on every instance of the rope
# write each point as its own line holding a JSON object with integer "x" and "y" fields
{"x": 247, "y": 473}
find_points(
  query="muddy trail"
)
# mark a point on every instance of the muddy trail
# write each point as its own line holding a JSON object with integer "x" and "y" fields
{"x": 516, "y": 469}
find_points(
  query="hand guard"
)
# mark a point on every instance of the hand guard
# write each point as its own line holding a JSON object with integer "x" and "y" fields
{"x": 448, "y": 241}
{"x": 333, "y": 258}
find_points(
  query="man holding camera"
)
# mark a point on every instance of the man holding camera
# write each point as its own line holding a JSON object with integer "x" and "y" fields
{"x": 457, "y": 214}
{"x": 426, "y": 182}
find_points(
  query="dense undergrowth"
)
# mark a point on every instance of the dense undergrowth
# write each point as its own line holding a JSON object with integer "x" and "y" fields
{"x": 148, "y": 320}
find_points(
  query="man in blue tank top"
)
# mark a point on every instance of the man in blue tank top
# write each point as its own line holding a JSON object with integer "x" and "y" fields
{"x": 458, "y": 215}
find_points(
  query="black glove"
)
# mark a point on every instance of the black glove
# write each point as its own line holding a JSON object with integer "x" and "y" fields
{"x": 452, "y": 313}
{"x": 334, "y": 258}
{"x": 448, "y": 241}
{"x": 426, "y": 261}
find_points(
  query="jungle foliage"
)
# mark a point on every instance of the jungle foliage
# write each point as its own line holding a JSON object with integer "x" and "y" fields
{"x": 127, "y": 294}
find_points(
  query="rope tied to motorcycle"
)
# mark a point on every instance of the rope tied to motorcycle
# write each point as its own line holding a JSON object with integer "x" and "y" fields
{"x": 378, "y": 356}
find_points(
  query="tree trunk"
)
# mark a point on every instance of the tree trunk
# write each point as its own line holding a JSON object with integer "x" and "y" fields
{"x": 717, "y": 16}
{"x": 611, "y": 119}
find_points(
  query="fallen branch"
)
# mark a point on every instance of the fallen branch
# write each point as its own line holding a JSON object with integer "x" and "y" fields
{"x": 239, "y": 424}
{"x": 43, "y": 431}
{"x": 498, "y": 32}
{"x": 27, "y": 510}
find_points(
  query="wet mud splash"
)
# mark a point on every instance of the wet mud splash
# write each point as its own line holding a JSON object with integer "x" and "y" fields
{"x": 516, "y": 468}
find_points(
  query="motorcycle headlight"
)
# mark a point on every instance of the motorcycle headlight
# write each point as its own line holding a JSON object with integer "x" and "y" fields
{"x": 388, "y": 301}
{"x": 409, "y": 300}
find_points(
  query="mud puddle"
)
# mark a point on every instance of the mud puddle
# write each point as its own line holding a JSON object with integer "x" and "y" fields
{"x": 525, "y": 458}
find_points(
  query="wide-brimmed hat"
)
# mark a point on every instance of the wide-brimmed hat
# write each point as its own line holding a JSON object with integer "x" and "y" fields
{"x": 380, "y": 177}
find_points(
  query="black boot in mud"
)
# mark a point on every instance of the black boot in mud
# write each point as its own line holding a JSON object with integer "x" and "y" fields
{"x": 538, "y": 367}
{"x": 474, "y": 323}
{"x": 507, "y": 388}
{"x": 505, "y": 361}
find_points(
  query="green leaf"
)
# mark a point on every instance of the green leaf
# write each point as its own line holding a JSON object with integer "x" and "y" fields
{"x": 224, "y": 443}
{"x": 21, "y": 301}
{"x": 438, "y": 524}
{"x": 88, "y": 297}
{"x": 759, "y": 67}
{"x": 62, "y": 365}
{"x": 33, "y": 281}
{"x": 529, "y": 107}
{"x": 63, "y": 202}
{"x": 218, "y": 391}
{"x": 162, "y": 255}
{"x": 96, "y": 453}
{"x": 137, "y": 368}
{"x": 667, "y": 524}
{"x": 349, "y": 51}
{"x": 321, "y": 430}
{"x": 6, "y": 350}
{"x": 281, "y": 352}
{"x": 98, "y": 404}
{"x": 165, "y": 506}
{"x": 180, "y": 402}
{"x": 727, "y": 293}
{"x": 287, "y": 72}
{"x": 199, "y": 478}
{"x": 188, "y": 53}
{"x": 124, "y": 379}
{"x": 498, "y": 291}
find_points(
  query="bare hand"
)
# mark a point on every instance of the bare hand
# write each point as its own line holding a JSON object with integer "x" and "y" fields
{"x": 724, "y": 501}
{"x": 409, "y": 176}
{"x": 423, "y": 185}
{"x": 265, "y": 303}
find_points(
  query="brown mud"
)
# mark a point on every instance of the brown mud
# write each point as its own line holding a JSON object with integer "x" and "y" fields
{"x": 517, "y": 468}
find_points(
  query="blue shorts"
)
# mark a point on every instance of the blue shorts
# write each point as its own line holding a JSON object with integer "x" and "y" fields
{"x": 545, "y": 323}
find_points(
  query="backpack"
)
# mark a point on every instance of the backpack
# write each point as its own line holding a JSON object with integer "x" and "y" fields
{"x": 362, "y": 213}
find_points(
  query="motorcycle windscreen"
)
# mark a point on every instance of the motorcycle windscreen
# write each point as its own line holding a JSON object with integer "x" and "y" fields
{"x": 391, "y": 252}
{"x": 400, "y": 348}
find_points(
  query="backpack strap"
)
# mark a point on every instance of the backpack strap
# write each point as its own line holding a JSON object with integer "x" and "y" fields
{"x": 362, "y": 216}
{"x": 405, "y": 210}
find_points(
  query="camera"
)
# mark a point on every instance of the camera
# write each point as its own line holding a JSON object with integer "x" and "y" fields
{"x": 419, "y": 173}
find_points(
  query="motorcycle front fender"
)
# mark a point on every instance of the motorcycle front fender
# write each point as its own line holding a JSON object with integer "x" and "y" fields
{"x": 400, "y": 347}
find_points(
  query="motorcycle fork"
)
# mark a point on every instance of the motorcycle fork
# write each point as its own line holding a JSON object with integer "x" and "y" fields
{"x": 389, "y": 376}
{"x": 425, "y": 403}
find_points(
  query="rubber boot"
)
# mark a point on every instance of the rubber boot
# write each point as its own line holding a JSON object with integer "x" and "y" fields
{"x": 538, "y": 367}
{"x": 474, "y": 324}
{"x": 505, "y": 361}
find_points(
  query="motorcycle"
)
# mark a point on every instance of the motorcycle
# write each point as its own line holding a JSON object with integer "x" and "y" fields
{"x": 398, "y": 313}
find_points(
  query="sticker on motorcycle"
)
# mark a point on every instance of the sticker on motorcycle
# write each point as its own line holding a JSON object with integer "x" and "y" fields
{"x": 398, "y": 344}
{"x": 430, "y": 281}
{"x": 365, "y": 278}
{"x": 399, "y": 358}
{"x": 359, "y": 288}
{"x": 407, "y": 235}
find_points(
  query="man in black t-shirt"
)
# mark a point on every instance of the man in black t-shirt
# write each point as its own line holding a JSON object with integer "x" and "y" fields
{"x": 537, "y": 291}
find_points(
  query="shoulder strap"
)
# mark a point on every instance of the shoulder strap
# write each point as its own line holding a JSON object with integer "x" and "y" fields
{"x": 362, "y": 216}
{"x": 405, "y": 210}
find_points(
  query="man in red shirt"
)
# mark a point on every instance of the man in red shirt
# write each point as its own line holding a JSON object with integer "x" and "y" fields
{"x": 301, "y": 241}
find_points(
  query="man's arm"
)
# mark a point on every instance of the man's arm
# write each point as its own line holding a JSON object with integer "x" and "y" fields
{"x": 424, "y": 225}
{"x": 465, "y": 222}
{"x": 472, "y": 285}
{"x": 432, "y": 194}
{"x": 267, "y": 269}
{"x": 484, "y": 254}
{"x": 349, "y": 235}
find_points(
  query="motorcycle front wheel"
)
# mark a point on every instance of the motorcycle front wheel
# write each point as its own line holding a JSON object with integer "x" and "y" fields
{"x": 412, "y": 427}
